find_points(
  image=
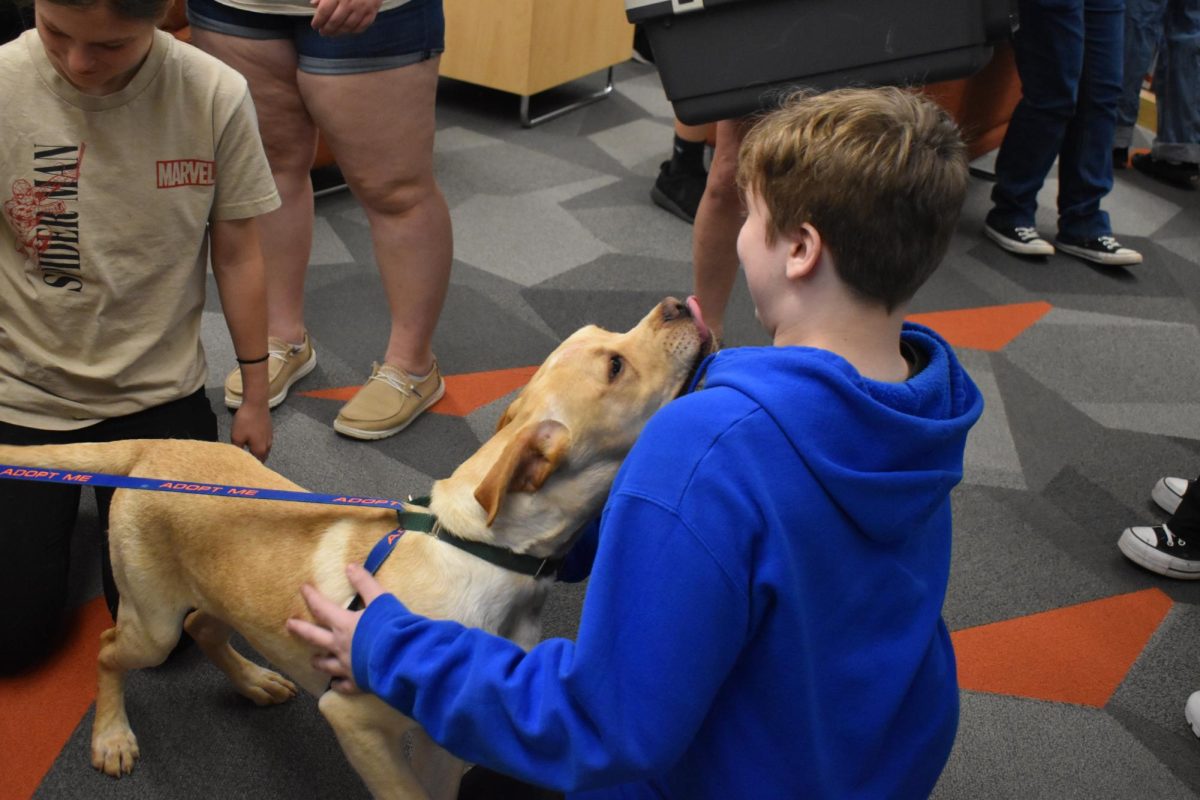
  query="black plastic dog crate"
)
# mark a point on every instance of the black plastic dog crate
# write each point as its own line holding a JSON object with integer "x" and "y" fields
{"x": 720, "y": 59}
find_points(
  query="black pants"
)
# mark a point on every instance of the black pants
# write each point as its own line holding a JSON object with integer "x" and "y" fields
{"x": 481, "y": 783}
{"x": 36, "y": 521}
{"x": 1186, "y": 518}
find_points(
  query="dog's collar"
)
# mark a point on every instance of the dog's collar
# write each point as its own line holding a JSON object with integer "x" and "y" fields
{"x": 428, "y": 523}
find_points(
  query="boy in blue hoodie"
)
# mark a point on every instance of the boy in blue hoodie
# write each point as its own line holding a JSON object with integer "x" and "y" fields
{"x": 763, "y": 617}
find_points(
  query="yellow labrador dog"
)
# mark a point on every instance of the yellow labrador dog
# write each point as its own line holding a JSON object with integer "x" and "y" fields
{"x": 212, "y": 565}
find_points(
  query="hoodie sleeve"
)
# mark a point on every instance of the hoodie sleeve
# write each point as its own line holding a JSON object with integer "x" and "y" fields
{"x": 662, "y": 624}
{"x": 577, "y": 565}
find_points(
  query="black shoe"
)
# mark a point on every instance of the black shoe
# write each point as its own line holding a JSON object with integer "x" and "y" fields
{"x": 1102, "y": 250}
{"x": 1161, "y": 550}
{"x": 679, "y": 192}
{"x": 1120, "y": 157}
{"x": 1178, "y": 174}
{"x": 1018, "y": 239}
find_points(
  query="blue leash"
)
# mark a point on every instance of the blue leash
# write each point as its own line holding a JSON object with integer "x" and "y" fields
{"x": 379, "y": 553}
{"x": 409, "y": 520}
{"x": 13, "y": 472}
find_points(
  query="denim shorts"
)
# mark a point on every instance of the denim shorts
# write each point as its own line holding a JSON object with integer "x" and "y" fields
{"x": 404, "y": 35}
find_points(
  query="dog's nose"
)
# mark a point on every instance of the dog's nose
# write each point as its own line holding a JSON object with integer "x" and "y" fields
{"x": 673, "y": 309}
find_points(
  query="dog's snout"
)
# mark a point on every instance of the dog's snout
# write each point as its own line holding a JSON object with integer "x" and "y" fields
{"x": 673, "y": 309}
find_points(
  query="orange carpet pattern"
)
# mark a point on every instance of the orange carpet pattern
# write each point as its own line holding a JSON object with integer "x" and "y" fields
{"x": 989, "y": 328}
{"x": 42, "y": 709}
{"x": 1077, "y": 654}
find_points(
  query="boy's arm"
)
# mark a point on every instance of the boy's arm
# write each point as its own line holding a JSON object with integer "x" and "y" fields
{"x": 237, "y": 264}
{"x": 661, "y": 627}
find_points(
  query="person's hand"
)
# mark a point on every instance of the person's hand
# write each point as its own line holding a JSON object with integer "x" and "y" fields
{"x": 333, "y": 631}
{"x": 340, "y": 17}
{"x": 252, "y": 429}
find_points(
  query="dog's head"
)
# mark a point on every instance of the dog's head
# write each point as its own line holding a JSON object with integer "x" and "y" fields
{"x": 558, "y": 445}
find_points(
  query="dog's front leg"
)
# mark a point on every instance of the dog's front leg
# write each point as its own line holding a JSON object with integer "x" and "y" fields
{"x": 372, "y": 737}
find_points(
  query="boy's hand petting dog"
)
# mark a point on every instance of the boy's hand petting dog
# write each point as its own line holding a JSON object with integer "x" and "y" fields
{"x": 333, "y": 632}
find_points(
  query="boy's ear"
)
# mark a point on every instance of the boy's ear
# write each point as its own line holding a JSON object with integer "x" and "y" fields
{"x": 804, "y": 251}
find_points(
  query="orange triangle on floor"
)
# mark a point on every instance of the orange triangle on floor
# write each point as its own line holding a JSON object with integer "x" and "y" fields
{"x": 464, "y": 393}
{"x": 43, "y": 708}
{"x": 986, "y": 328}
{"x": 1078, "y": 654}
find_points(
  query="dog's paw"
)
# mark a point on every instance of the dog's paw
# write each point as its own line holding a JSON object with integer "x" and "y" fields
{"x": 266, "y": 688}
{"x": 114, "y": 751}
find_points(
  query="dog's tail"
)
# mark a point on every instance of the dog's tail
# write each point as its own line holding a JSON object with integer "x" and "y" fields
{"x": 116, "y": 458}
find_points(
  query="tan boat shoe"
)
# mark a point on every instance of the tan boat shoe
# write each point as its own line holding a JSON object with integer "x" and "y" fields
{"x": 388, "y": 403}
{"x": 286, "y": 364}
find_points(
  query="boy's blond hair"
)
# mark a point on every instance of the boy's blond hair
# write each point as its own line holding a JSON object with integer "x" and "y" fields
{"x": 880, "y": 173}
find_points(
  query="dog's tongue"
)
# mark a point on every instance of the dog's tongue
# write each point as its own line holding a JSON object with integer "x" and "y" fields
{"x": 698, "y": 317}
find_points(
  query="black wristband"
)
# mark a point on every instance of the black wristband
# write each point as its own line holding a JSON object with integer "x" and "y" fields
{"x": 245, "y": 361}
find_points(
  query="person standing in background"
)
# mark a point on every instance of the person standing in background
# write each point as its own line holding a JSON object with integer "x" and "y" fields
{"x": 1068, "y": 54}
{"x": 364, "y": 74}
{"x": 1175, "y": 25}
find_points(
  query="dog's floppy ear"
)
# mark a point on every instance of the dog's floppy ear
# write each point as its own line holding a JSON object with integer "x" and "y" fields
{"x": 526, "y": 463}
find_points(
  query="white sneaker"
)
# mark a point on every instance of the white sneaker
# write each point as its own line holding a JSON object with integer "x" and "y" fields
{"x": 1160, "y": 550}
{"x": 1191, "y": 712}
{"x": 1168, "y": 492}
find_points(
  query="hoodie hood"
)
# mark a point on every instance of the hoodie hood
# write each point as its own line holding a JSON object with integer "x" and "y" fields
{"x": 887, "y": 454}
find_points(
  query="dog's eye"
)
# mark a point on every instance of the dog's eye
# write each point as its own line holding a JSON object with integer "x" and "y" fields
{"x": 615, "y": 365}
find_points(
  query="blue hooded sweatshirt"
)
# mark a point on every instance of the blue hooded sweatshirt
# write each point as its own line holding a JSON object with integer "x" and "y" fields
{"x": 763, "y": 617}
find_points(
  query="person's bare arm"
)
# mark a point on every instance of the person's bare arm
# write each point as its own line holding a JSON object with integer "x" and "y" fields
{"x": 241, "y": 283}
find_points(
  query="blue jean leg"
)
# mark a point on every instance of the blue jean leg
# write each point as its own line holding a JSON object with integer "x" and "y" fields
{"x": 1144, "y": 20}
{"x": 1085, "y": 170}
{"x": 1177, "y": 84}
{"x": 1049, "y": 55}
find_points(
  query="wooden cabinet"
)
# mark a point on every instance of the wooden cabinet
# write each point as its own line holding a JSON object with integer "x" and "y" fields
{"x": 528, "y": 46}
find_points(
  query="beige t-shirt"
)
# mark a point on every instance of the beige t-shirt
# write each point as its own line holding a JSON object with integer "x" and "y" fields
{"x": 104, "y": 206}
{"x": 295, "y": 7}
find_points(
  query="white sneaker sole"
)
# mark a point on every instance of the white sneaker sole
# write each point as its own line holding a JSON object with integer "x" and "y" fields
{"x": 1041, "y": 248}
{"x": 1166, "y": 497}
{"x": 305, "y": 368}
{"x": 1107, "y": 259}
{"x": 1146, "y": 556}
{"x": 365, "y": 435}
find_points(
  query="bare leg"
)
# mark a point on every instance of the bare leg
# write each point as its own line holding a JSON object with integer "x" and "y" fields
{"x": 380, "y": 127}
{"x": 371, "y": 734}
{"x": 262, "y": 686}
{"x": 290, "y": 139}
{"x": 718, "y": 220}
{"x": 693, "y": 133}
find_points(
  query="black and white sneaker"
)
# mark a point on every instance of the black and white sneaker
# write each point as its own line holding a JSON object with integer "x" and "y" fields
{"x": 1018, "y": 239}
{"x": 1160, "y": 550}
{"x": 1168, "y": 492}
{"x": 1104, "y": 250}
